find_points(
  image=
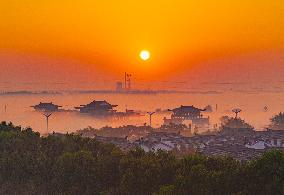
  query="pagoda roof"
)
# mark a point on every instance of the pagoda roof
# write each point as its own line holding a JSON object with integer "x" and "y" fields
{"x": 45, "y": 104}
{"x": 187, "y": 109}
{"x": 99, "y": 103}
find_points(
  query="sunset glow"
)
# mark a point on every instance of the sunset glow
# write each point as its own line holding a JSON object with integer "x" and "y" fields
{"x": 150, "y": 96}
{"x": 95, "y": 40}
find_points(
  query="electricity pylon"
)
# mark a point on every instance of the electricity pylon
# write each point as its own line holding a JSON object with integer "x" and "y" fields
{"x": 150, "y": 117}
{"x": 47, "y": 115}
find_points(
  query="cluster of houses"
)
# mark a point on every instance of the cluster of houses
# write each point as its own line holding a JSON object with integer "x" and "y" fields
{"x": 243, "y": 144}
{"x": 240, "y": 143}
{"x": 166, "y": 142}
{"x": 266, "y": 139}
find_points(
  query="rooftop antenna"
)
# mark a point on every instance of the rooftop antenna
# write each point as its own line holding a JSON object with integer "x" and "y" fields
{"x": 47, "y": 115}
{"x": 236, "y": 111}
{"x": 150, "y": 117}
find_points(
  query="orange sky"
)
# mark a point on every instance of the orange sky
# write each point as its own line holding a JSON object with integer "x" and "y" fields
{"x": 88, "y": 40}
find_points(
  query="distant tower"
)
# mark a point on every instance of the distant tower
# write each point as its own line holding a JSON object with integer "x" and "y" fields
{"x": 119, "y": 86}
{"x": 127, "y": 80}
{"x": 150, "y": 117}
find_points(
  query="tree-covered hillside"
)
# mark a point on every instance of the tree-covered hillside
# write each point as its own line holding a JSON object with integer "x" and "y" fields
{"x": 70, "y": 164}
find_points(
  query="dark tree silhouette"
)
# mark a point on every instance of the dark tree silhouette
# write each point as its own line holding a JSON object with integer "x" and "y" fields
{"x": 277, "y": 121}
{"x": 71, "y": 164}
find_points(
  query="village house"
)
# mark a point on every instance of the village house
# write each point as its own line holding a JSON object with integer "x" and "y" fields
{"x": 241, "y": 144}
{"x": 266, "y": 139}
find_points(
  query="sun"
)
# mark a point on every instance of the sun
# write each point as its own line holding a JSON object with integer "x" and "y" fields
{"x": 144, "y": 55}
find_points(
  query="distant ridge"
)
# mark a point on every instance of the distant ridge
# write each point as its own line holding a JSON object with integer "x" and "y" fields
{"x": 146, "y": 92}
{"x": 30, "y": 93}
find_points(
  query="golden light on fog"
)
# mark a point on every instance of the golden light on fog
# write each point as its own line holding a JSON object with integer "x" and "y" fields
{"x": 144, "y": 55}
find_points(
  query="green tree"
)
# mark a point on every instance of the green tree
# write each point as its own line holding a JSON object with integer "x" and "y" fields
{"x": 234, "y": 123}
{"x": 201, "y": 175}
{"x": 277, "y": 121}
{"x": 75, "y": 173}
{"x": 71, "y": 164}
{"x": 265, "y": 175}
{"x": 144, "y": 173}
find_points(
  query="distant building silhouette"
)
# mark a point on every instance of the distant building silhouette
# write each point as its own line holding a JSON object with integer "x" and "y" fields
{"x": 127, "y": 81}
{"x": 192, "y": 113}
{"x": 46, "y": 107}
{"x": 187, "y": 112}
{"x": 119, "y": 86}
{"x": 97, "y": 107}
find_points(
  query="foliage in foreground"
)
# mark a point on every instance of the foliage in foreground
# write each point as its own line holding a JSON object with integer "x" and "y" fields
{"x": 277, "y": 121}
{"x": 70, "y": 164}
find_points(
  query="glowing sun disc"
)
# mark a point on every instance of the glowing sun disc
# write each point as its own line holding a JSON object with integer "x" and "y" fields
{"x": 144, "y": 55}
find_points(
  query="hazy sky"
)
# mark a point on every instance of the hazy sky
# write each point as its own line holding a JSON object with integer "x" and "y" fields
{"x": 90, "y": 40}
